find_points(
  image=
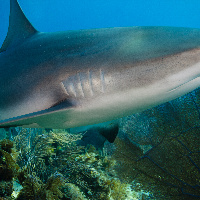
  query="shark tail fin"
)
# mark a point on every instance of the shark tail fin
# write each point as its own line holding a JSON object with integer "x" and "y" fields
{"x": 19, "y": 27}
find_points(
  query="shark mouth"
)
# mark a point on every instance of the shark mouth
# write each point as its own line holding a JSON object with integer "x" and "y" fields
{"x": 193, "y": 83}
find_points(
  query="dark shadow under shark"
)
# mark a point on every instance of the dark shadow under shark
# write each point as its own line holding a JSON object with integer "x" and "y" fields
{"x": 75, "y": 78}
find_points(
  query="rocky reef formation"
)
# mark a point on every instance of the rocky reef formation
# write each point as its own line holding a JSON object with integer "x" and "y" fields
{"x": 52, "y": 166}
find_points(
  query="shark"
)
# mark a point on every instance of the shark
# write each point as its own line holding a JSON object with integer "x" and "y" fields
{"x": 83, "y": 77}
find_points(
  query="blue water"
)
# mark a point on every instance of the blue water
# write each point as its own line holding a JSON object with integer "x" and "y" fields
{"x": 52, "y": 15}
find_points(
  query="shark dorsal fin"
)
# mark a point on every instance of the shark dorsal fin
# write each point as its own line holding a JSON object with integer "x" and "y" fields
{"x": 19, "y": 27}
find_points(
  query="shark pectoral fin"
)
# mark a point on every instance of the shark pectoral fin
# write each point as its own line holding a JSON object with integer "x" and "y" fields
{"x": 110, "y": 132}
{"x": 54, "y": 117}
{"x": 19, "y": 27}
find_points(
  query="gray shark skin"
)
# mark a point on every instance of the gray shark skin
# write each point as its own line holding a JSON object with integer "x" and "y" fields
{"x": 75, "y": 78}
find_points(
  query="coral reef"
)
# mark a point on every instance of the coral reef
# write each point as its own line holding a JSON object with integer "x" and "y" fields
{"x": 94, "y": 175}
{"x": 47, "y": 151}
{"x": 53, "y": 166}
{"x": 33, "y": 188}
{"x": 6, "y": 145}
{"x": 6, "y": 189}
{"x": 165, "y": 159}
{"x": 72, "y": 192}
{"x": 8, "y": 168}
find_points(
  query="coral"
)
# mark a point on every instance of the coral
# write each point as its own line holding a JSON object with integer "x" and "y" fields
{"x": 6, "y": 145}
{"x": 52, "y": 186}
{"x": 33, "y": 188}
{"x": 87, "y": 173}
{"x": 72, "y": 192}
{"x": 94, "y": 176}
{"x": 169, "y": 167}
{"x": 8, "y": 166}
{"x": 16, "y": 188}
{"x": 41, "y": 153}
{"x": 6, "y": 189}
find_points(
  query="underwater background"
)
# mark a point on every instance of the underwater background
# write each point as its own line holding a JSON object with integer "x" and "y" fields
{"x": 51, "y": 15}
{"x": 156, "y": 153}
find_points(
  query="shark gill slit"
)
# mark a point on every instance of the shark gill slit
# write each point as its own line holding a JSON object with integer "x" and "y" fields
{"x": 72, "y": 88}
{"x": 80, "y": 85}
{"x": 102, "y": 81}
{"x": 65, "y": 88}
{"x": 90, "y": 82}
